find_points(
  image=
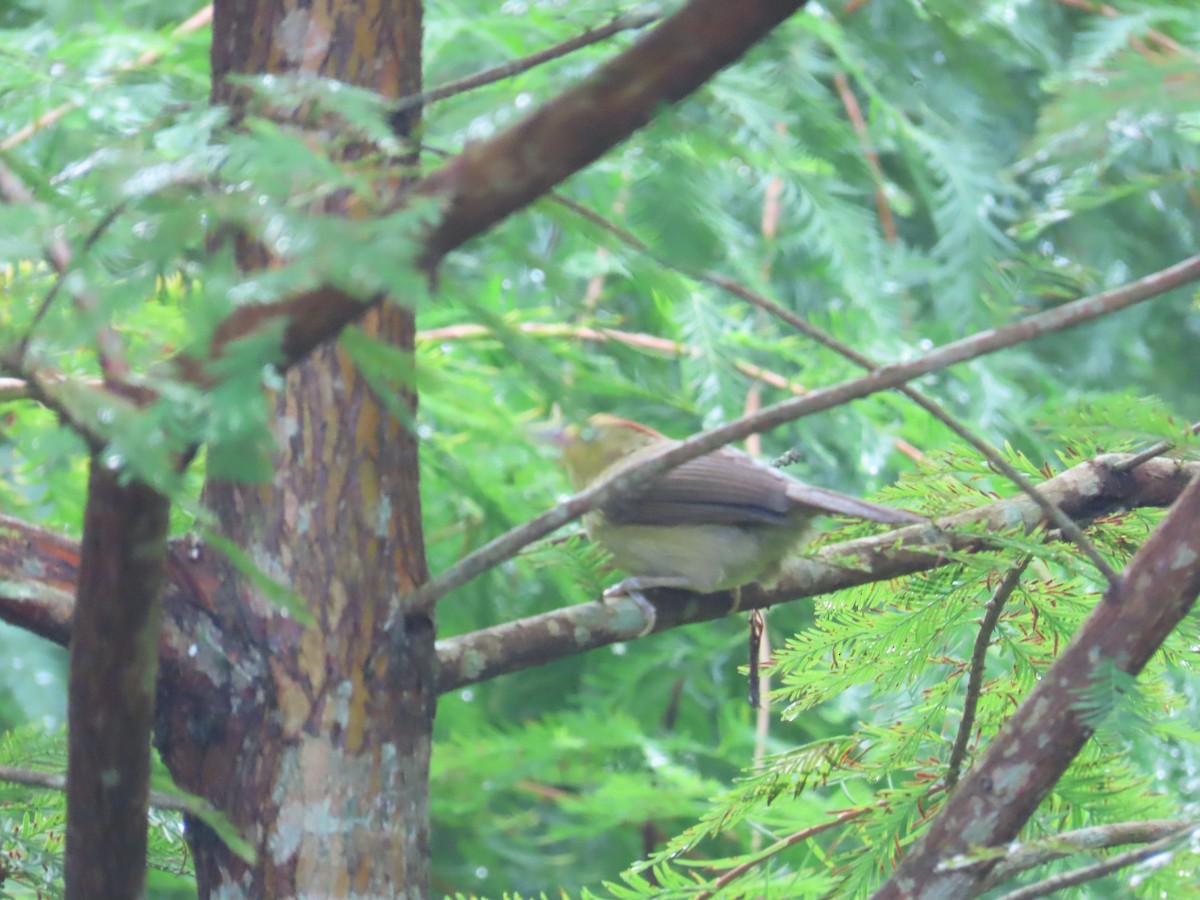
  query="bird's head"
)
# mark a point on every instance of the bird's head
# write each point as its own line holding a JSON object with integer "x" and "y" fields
{"x": 589, "y": 450}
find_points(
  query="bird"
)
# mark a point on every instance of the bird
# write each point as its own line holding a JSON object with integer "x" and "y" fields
{"x": 714, "y": 523}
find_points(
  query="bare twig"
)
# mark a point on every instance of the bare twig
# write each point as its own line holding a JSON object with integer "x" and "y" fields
{"x": 991, "y": 616}
{"x": 52, "y": 781}
{"x": 1099, "y": 870}
{"x": 887, "y": 221}
{"x": 637, "y": 340}
{"x": 780, "y": 845}
{"x": 1155, "y": 450}
{"x": 621, "y": 23}
{"x": 1097, "y": 837}
{"x": 1069, "y": 315}
{"x": 760, "y": 672}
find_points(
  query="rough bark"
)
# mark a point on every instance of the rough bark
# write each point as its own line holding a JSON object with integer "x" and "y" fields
{"x": 315, "y": 739}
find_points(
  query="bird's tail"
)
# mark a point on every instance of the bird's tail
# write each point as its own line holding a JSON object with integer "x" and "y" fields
{"x": 841, "y": 504}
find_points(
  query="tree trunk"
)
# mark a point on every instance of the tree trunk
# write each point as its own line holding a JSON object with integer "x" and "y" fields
{"x": 315, "y": 740}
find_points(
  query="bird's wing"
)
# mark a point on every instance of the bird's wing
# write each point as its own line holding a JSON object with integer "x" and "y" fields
{"x": 730, "y": 488}
{"x": 722, "y": 488}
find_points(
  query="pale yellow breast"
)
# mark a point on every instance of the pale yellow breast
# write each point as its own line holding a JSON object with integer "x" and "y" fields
{"x": 712, "y": 557}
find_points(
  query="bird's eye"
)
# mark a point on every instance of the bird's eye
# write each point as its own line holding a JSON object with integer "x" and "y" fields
{"x": 587, "y": 433}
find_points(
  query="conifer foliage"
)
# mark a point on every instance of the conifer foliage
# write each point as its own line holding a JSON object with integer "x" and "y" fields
{"x": 284, "y": 301}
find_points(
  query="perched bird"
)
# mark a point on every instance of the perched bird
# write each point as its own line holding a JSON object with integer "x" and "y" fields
{"x": 714, "y": 523}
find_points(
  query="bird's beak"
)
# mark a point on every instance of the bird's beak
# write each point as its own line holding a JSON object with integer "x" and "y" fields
{"x": 551, "y": 434}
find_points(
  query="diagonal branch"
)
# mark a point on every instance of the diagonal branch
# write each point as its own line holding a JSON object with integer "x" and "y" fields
{"x": 1033, "y": 749}
{"x": 1088, "y": 490}
{"x": 627, "y": 22}
{"x": 1056, "y": 883}
{"x": 1069, "y": 315}
{"x": 493, "y": 179}
{"x": 806, "y": 328}
{"x": 1083, "y": 840}
{"x": 991, "y": 618}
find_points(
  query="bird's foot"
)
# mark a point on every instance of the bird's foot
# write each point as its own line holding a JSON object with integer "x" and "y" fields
{"x": 737, "y": 600}
{"x": 632, "y": 589}
{"x": 636, "y": 584}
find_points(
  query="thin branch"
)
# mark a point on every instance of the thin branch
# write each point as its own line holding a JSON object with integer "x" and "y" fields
{"x": 1099, "y": 870}
{"x": 1156, "y": 450}
{"x": 780, "y": 845}
{"x": 1069, "y": 528}
{"x": 1069, "y": 315}
{"x": 887, "y": 221}
{"x": 1088, "y": 490}
{"x": 109, "y": 349}
{"x": 54, "y": 782}
{"x": 991, "y": 617}
{"x": 627, "y": 22}
{"x": 637, "y": 340}
{"x": 1036, "y": 745}
{"x": 1096, "y": 837}
{"x": 52, "y": 392}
